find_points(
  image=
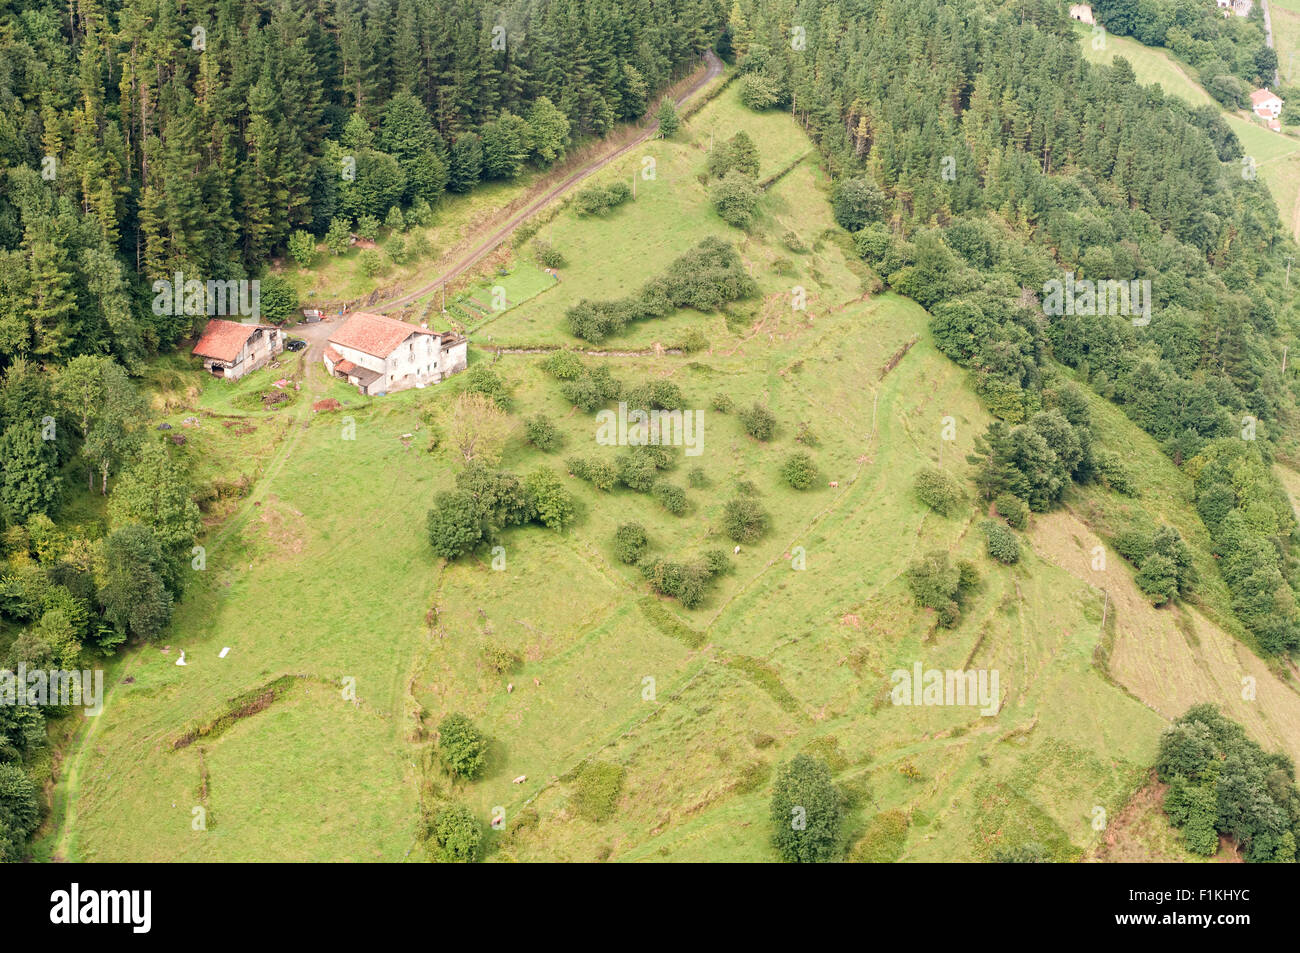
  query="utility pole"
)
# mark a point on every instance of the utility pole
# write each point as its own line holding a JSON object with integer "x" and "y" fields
{"x": 1284, "y": 349}
{"x": 444, "y": 297}
{"x": 1289, "y": 259}
{"x": 1105, "y": 605}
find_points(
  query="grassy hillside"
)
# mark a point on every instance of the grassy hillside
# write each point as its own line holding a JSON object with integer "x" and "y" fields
{"x": 319, "y": 575}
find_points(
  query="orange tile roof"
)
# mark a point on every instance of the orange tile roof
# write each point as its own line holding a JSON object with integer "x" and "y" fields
{"x": 375, "y": 334}
{"x": 1261, "y": 96}
{"x": 332, "y": 355}
{"x": 223, "y": 340}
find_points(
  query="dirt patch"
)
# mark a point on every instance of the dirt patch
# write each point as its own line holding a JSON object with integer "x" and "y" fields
{"x": 283, "y": 526}
{"x": 237, "y": 708}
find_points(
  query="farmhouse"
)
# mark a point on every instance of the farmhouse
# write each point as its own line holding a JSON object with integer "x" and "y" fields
{"x": 1266, "y": 105}
{"x": 380, "y": 355}
{"x": 231, "y": 350}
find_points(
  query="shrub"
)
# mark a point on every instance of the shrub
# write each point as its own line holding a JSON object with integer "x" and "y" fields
{"x": 758, "y": 91}
{"x": 758, "y": 422}
{"x": 548, "y": 256}
{"x": 593, "y": 388}
{"x": 735, "y": 199}
{"x": 549, "y": 501}
{"x": 804, "y": 435}
{"x": 806, "y": 811}
{"x": 543, "y": 434}
{"x": 457, "y": 833}
{"x": 744, "y": 519}
{"x": 564, "y": 365}
{"x": 794, "y": 243}
{"x": 1001, "y": 543}
{"x": 600, "y": 199}
{"x": 302, "y": 247}
{"x": 855, "y": 202}
{"x": 481, "y": 379}
{"x": 722, "y": 403}
{"x": 697, "y": 478}
{"x": 939, "y": 490}
{"x": 637, "y": 471}
{"x": 461, "y": 746}
{"x": 1012, "y": 509}
{"x": 799, "y": 471}
{"x": 501, "y": 659}
{"x": 686, "y": 582}
{"x": 597, "y": 789}
{"x": 367, "y": 227}
{"x": 670, "y": 497}
{"x": 1112, "y": 472}
{"x": 420, "y": 213}
{"x": 655, "y": 395}
{"x": 937, "y": 584}
{"x": 600, "y": 473}
{"x": 630, "y": 542}
{"x": 339, "y": 237}
{"x": 396, "y": 221}
{"x": 1158, "y": 578}
{"x": 717, "y": 562}
{"x": 884, "y": 839}
{"x": 372, "y": 263}
{"x": 693, "y": 340}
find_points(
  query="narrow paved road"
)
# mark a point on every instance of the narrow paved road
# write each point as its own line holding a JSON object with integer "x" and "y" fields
{"x": 532, "y": 208}
{"x": 1268, "y": 39}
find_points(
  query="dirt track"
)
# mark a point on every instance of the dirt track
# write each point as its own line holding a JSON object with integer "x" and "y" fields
{"x": 536, "y": 205}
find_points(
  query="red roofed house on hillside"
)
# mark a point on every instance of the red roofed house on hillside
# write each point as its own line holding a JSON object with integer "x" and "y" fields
{"x": 1267, "y": 106}
{"x": 380, "y": 355}
{"x": 231, "y": 350}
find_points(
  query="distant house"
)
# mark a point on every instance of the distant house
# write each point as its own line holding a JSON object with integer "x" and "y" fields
{"x": 1082, "y": 12}
{"x": 1265, "y": 104}
{"x": 380, "y": 355}
{"x": 231, "y": 350}
{"x": 1240, "y": 7}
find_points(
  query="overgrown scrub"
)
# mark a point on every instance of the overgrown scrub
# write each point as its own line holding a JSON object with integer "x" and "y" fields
{"x": 671, "y": 497}
{"x": 798, "y": 471}
{"x": 937, "y": 583}
{"x": 543, "y": 434}
{"x": 486, "y": 501}
{"x": 686, "y": 582}
{"x": 592, "y": 388}
{"x": 744, "y": 519}
{"x": 1221, "y": 782}
{"x": 758, "y": 422}
{"x": 630, "y": 543}
{"x": 939, "y": 490}
{"x": 883, "y": 840}
{"x": 1000, "y": 543}
{"x": 1012, "y": 509}
{"x": 1163, "y": 561}
{"x": 705, "y": 278}
{"x": 596, "y": 790}
{"x": 601, "y": 199}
